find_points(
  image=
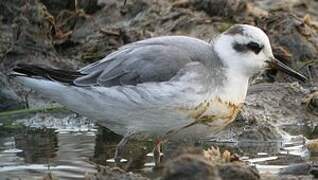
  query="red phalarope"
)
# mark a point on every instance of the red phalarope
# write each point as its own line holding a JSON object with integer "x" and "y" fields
{"x": 162, "y": 84}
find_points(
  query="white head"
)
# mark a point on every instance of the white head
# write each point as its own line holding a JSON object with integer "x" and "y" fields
{"x": 246, "y": 49}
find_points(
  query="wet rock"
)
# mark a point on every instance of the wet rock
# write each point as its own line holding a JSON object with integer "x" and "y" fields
{"x": 53, "y": 32}
{"x": 94, "y": 37}
{"x": 65, "y": 24}
{"x": 9, "y": 9}
{"x": 234, "y": 11}
{"x": 208, "y": 164}
{"x": 295, "y": 36}
{"x": 219, "y": 8}
{"x": 285, "y": 177}
{"x": 107, "y": 173}
{"x": 231, "y": 171}
{"x": 301, "y": 169}
{"x": 33, "y": 29}
{"x": 88, "y": 38}
{"x": 190, "y": 167}
{"x": 250, "y": 128}
{"x": 312, "y": 146}
{"x": 213, "y": 154}
{"x": 56, "y": 6}
{"x": 8, "y": 99}
{"x": 111, "y": 19}
{"x": 33, "y": 32}
{"x": 5, "y": 39}
{"x": 229, "y": 165}
{"x": 311, "y": 102}
{"x": 264, "y": 132}
{"x": 275, "y": 5}
{"x": 277, "y": 103}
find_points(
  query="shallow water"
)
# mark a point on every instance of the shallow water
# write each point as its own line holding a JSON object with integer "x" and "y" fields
{"x": 69, "y": 146}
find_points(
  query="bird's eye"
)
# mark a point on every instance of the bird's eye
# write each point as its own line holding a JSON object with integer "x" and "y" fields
{"x": 255, "y": 47}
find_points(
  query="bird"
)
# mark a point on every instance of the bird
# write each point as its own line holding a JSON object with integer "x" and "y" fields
{"x": 163, "y": 85}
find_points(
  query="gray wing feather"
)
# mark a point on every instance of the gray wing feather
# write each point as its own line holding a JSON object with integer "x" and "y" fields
{"x": 152, "y": 60}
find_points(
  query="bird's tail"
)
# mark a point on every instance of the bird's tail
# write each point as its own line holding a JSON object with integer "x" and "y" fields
{"x": 35, "y": 71}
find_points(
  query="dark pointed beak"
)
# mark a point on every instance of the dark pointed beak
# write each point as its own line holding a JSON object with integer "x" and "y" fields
{"x": 284, "y": 68}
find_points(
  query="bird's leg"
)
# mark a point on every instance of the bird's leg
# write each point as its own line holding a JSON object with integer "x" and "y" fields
{"x": 231, "y": 134}
{"x": 157, "y": 151}
{"x": 121, "y": 145}
{"x": 160, "y": 141}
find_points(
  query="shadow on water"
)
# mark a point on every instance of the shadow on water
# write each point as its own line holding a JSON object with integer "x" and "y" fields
{"x": 69, "y": 146}
{"x": 37, "y": 145}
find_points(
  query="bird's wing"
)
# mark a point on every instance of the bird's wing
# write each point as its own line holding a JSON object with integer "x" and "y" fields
{"x": 190, "y": 84}
{"x": 154, "y": 60}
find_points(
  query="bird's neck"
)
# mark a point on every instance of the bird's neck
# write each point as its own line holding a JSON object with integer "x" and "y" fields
{"x": 234, "y": 88}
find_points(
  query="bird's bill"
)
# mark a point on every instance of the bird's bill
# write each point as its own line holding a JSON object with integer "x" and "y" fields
{"x": 284, "y": 68}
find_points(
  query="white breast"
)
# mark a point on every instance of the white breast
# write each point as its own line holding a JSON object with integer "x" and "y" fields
{"x": 234, "y": 89}
{"x": 224, "y": 103}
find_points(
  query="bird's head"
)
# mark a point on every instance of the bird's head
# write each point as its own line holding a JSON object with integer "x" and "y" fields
{"x": 247, "y": 50}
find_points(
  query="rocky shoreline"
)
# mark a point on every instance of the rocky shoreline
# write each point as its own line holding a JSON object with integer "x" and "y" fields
{"x": 70, "y": 34}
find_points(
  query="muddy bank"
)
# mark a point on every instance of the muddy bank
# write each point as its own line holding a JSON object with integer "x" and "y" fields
{"x": 8, "y": 98}
{"x": 62, "y": 32}
{"x": 70, "y": 34}
{"x": 191, "y": 163}
{"x": 107, "y": 173}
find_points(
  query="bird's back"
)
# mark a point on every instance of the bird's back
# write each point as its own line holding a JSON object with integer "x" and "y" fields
{"x": 151, "y": 60}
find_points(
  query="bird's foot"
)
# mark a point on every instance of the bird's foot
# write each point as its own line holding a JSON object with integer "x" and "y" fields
{"x": 117, "y": 156}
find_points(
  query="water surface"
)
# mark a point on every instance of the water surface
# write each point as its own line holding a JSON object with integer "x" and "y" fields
{"x": 69, "y": 146}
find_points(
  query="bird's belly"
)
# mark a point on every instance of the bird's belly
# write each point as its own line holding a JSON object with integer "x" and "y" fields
{"x": 207, "y": 118}
{"x": 214, "y": 112}
{"x": 121, "y": 115}
{"x": 152, "y": 121}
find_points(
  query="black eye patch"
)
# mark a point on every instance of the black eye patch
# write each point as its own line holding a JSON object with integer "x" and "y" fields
{"x": 251, "y": 46}
{"x": 255, "y": 47}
